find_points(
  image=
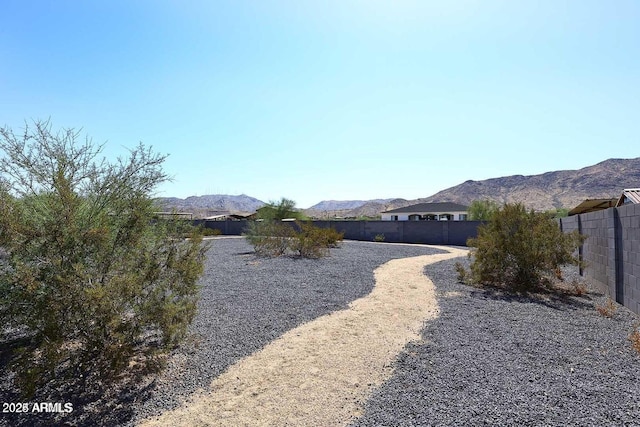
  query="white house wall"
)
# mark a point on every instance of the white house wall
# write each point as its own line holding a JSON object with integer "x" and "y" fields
{"x": 405, "y": 216}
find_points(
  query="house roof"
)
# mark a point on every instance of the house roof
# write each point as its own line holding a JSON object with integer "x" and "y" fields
{"x": 444, "y": 207}
{"x": 227, "y": 215}
{"x": 629, "y": 195}
{"x": 591, "y": 205}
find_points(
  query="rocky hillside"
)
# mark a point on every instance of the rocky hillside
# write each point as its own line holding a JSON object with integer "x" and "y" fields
{"x": 202, "y": 206}
{"x": 551, "y": 190}
{"x": 336, "y": 205}
{"x": 559, "y": 189}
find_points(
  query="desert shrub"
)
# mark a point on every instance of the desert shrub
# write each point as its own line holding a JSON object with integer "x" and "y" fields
{"x": 578, "y": 288}
{"x": 207, "y": 232}
{"x": 379, "y": 238}
{"x": 608, "y": 308}
{"x": 482, "y": 210}
{"x": 310, "y": 241}
{"x": 634, "y": 337}
{"x": 269, "y": 238}
{"x": 89, "y": 279}
{"x": 520, "y": 249}
{"x": 183, "y": 228}
{"x": 330, "y": 237}
{"x": 282, "y": 209}
{"x": 314, "y": 242}
{"x": 463, "y": 275}
{"x": 276, "y": 238}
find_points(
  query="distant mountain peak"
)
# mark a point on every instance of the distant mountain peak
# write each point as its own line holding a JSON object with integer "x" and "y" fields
{"x": 202, "y": 206}
{"x": 336, "y": 205}
{"x": 550, "y": 190}
{"x": 546, "y": 191}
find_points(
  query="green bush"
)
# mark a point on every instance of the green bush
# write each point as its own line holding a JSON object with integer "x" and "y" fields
{"x": 282, "y": 209}
{"x": 314, "y": 242}
{"x": 269, "y": 238}
{"x": 276, "y": 238}
{"x": 520, "y": 250}
{"x": 207, "y": 232}
{"x": 89, "y": 279}
{"x": 379, "y": 238}
{"x": 329, "y": 237}
{"x": 482, "y": 210}
{"x": 310, "y": 241}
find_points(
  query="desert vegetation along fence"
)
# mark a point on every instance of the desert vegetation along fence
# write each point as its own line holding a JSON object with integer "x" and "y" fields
{"x": 611, "y": 251}
{"x": 429, "y": 232}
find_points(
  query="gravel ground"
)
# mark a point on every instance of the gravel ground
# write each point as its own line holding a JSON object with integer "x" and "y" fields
{"x": 249, "y": 301}
{"x": 494, "y": 359}
{"x": 488, "y": 359}
{"x": 246, "y": 302}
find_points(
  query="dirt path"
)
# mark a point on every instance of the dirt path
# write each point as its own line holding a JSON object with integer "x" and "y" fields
{"x": 322, "y": 372}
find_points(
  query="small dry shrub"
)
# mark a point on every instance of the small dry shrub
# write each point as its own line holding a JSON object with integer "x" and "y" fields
{"x": 463, "y": 275}
{"x": 635, "y": 337}
{"x": 211, "y": 232}
{"x": 329, "y": 236}
{"x": 314, "y": 242}
{"x": 578, "y": 288}
{"x": 190, "y": 231}
{"x": 608, "y": 309}
{"x": 310, "y": 241}
{"x": 379, "y": 238}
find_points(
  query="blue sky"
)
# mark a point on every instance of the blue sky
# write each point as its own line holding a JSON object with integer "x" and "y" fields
{"x": 319, "y": 100}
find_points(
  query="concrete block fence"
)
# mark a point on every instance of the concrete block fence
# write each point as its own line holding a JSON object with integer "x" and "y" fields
{"x": 428, "y": 232}
{"x": 611, "y": 251}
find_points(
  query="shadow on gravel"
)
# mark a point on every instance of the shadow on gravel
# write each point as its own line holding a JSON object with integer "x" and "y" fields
{"x": 95, "y": 403}
{"x": 556, "y": 300}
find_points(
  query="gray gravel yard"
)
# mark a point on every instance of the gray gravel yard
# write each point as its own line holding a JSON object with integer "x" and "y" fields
{"x": 492, "y": 359}
{"x": 488, "y": 359}
{"x": 249, "y": 301}
{"x": 246, "y": 302}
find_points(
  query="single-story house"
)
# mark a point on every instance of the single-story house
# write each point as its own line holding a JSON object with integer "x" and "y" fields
{"x": 428, "y": 212}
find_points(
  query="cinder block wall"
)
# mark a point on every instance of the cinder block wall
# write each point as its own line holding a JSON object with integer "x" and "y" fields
{"x": 629, "y": 251}
{"x": 427, "y": 232}
{"x": 611, "y": 251}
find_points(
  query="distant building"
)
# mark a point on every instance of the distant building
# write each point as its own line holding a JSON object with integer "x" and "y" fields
{"x": 592, "y": 205}
{"x": 173, "y": 215}
{"x": 228, "y": 216}
{"x": 428, "y": 212}
{"x": 630, "y": 195}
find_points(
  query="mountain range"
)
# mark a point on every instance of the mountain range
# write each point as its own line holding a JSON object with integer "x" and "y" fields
{"x": 202, "y": 206}
{"x": 551, "y": 190}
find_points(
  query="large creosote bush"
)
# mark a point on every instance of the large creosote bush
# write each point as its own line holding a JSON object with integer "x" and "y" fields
{"x": 274, "y": 234}
{"x": 314, "y": 242}
{"x": 89, "y": 280}
{"x": 520, "y": 250}
{"x": 269, "y": 237}
{"x": 275, "y": 238}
